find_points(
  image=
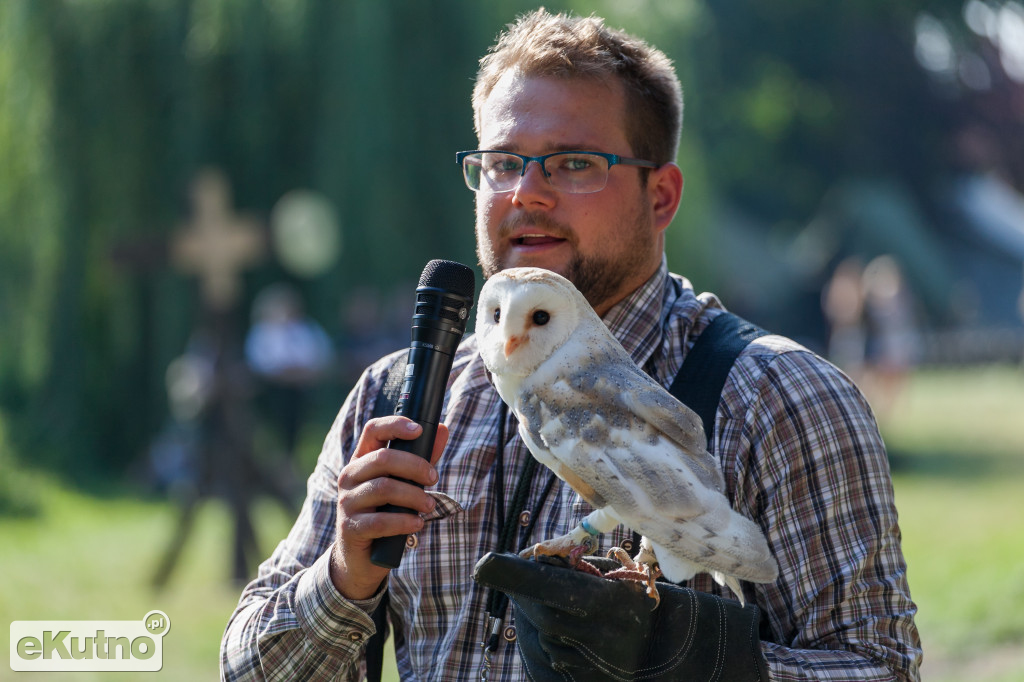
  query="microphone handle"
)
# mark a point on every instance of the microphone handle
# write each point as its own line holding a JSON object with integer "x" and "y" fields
{"x": 443, "y": 300}
{"x": 387, "y": 552}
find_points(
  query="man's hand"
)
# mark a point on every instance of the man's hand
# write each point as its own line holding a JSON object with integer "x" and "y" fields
{"x": 368, "y": 482}
{"x": 572, "y": 625}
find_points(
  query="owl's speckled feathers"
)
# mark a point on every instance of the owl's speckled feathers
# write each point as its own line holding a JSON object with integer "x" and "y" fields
{"x": 619, "y": 439}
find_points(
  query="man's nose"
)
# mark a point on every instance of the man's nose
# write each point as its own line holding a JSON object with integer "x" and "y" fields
{"x": 533, "y": 187}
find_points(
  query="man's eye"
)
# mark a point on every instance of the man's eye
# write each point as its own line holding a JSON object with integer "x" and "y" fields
{"x": 507, "y": 164}
{"x": 575, "y": 163}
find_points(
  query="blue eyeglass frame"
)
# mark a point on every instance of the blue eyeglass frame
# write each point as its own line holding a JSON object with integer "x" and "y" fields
{"x": 612, "y": 159}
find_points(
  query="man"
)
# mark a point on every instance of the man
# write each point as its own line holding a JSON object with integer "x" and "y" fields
{"x": 799, "y": 450}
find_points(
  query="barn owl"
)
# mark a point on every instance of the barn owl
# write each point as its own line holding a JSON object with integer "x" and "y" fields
{"x": 619, "y": 439}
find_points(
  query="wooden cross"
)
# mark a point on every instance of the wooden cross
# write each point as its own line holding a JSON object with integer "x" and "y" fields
{"x": 218, "y": 245}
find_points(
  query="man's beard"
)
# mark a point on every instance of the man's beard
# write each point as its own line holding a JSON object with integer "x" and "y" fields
{"x": 598, "y": 277}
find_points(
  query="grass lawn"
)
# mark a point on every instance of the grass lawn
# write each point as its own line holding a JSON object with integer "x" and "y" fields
{"x": 957, "y": 441}
{"x": 88, "y": 558}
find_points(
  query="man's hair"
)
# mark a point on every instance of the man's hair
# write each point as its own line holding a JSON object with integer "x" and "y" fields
{"x": 567, "y": 46}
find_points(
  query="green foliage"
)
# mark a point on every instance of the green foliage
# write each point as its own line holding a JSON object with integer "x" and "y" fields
{"x": 110, "y": 108}
{"x": 19, "y": 493}
{"x": 30, "y": 205}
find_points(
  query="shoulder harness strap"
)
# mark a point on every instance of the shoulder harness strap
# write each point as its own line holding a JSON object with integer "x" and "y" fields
{"x": 700, "y": 380}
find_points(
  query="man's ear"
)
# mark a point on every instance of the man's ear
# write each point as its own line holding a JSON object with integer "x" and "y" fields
{"x": 665, "y": 192}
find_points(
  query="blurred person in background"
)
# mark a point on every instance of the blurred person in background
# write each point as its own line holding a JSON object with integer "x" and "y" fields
{"x": 289, "y": 352}
{"x": 894, "y": 343}
{"x": 842, "y": 302}
{"x": 873, "y": 330}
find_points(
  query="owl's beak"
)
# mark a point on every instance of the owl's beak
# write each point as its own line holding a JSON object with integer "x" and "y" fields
{"x": 513, "y": 343}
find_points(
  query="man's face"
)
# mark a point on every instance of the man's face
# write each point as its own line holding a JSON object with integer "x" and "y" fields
{"x": 607, "y": 243}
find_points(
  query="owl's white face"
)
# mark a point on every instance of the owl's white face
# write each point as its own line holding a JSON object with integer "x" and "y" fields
{"x": 524, "y": 315}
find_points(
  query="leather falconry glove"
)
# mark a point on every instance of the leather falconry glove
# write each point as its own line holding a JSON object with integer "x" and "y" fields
{"x": 575, "y": 626}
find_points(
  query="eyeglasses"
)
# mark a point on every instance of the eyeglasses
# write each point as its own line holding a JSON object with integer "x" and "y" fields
{"x": 572, "y": 172}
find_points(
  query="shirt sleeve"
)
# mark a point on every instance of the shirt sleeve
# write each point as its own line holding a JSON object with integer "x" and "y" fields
{"x": 814, "y": 474}
{"x": 291, "y": 623}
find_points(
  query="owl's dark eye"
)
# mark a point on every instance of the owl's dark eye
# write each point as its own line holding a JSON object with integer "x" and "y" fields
{"x": 497, "y": 314}
{"x": 541, "y": 317}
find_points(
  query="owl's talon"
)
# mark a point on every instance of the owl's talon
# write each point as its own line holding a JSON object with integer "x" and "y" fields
{"x": 623, "y": 558}
{"x": 640, "y": 570}
{"x": 565, "y": 547}
{"x": 576, "y": 553}
{"x": 653, "y": 573}
{"x": 587, "y": 567}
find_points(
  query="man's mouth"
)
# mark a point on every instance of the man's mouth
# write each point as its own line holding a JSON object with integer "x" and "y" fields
{"x": 535, "y": 240}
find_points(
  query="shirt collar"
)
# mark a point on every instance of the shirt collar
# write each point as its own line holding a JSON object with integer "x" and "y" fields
{"x": 637, "y": 320}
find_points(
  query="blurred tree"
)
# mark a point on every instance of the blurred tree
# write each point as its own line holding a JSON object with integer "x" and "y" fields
{"x": 30, "y": 205}
{"x": 109, "y": 109}
{"x": 835, "y": 126}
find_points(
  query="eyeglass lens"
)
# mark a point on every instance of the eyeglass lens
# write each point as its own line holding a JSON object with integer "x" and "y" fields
{"x": 572, "y": 172}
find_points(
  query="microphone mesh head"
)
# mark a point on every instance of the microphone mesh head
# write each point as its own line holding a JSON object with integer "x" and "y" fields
{"x": 450, "y": 276}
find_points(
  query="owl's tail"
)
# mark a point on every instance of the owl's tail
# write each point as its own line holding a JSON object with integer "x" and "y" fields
{"x": 736, "y": 550}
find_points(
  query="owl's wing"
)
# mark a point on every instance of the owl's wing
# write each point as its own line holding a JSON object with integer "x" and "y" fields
{"x": 663, "y": 412}
{"x": 625, "y": 391}
{"x": 626, "y": 445}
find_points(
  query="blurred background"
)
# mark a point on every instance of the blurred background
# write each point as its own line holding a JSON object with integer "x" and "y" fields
{"x": 213, "y": 214}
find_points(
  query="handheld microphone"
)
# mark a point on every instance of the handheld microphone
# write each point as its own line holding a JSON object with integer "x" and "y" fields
{"x": 443, "y": 299}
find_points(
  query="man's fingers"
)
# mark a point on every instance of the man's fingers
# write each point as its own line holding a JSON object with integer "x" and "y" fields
{"x": 371, "y": 525}
{"x": 387, "y": 463}
{"x": 377, "y": 476}
{"x": 372, "y": 458}
{"x": 377, "y": 492}
{"x": 378, "y": 432}
{"x": 440, "y": 441}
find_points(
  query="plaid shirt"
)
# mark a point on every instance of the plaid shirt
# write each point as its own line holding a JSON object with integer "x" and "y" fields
{"x": 801, "y": 456}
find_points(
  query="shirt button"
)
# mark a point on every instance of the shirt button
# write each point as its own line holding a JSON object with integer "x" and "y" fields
{"x": 627, "y": 545}
{"x": 524, "y": 519}
{"x": 355, "y": 636}
{"x": 510, "y": 634}
{"x": 411, "y": 541}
